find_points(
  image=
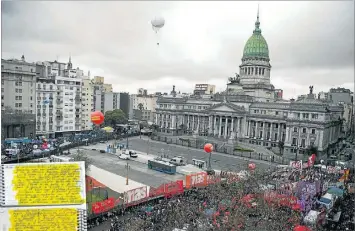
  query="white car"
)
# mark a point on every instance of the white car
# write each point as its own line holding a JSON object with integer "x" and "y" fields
{"x": 131, "y": 153}
{"x": 124, "y": 156}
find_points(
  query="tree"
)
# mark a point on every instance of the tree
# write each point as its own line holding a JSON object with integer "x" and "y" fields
{"x": 140, "y": 107}
{"x": 114, "y": 117}
{"x": 81, "y": 156}
{"x": 155, "y": 128}
{"x": 281, "y": 145}
{"x": 312, "y": 150}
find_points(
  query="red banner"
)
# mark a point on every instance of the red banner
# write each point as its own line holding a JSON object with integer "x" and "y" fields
{"x": 174, "y": 188}
{"x": 196, "y": 180}
{"x": 213, "y": 179}
{"x": 155, "y": 192}
{"x": 103, "y": 206}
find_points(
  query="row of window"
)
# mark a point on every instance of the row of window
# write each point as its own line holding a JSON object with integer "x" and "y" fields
{"x": 253, "y": 70}
{"x": 304, "y": 130}
{"x": 303, "y": 143}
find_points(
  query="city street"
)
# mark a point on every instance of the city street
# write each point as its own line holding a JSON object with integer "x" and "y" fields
{"x": 219, "y": 161}
{"x": 138, "y": 171}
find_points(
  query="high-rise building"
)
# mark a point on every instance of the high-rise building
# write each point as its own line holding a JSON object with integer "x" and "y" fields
{"x": 87, "y": 103}
{"x": 112, "y": 101}
{"x": 99, "y": 90}
{"x": 18, "y": 81}
{"x": 58, "y": 98}
{"x": 125, "y": 103}
{"x": 18, "y": 93}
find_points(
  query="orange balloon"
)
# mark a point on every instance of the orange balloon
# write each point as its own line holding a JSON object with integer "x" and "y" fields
{"x": 97, "y": 117}
{"x": 208, "y": 147}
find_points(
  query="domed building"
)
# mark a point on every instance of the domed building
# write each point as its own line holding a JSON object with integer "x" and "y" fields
{"x": 250, "y": 113}
{"x": 255, "y": 68}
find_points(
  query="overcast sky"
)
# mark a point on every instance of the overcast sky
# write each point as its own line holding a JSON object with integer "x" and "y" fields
{"x": 310, "y": 43}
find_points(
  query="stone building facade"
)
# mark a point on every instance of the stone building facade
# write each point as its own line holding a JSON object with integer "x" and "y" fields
{"x": 249, "y": 112}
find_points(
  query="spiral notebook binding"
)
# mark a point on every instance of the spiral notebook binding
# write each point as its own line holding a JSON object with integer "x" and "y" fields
{"x": 2, "y": 186}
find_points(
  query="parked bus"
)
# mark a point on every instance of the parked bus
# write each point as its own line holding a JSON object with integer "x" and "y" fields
{"x": 61, "y": 158}
{"x": 162, "y": 166}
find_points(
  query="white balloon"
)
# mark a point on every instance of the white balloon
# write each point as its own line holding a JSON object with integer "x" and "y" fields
{"x": 157, "y": 23}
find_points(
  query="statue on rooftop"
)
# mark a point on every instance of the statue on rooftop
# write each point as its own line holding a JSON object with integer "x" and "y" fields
{"x": 310, "y": 90}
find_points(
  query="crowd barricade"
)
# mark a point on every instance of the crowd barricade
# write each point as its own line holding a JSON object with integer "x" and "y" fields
{"x": 135, "y": 196}
{"x": 103, "y": 206}
{"x": 173, "y": 188}
{"x": 196, "y": 180}
{"x": 156, "y": 192}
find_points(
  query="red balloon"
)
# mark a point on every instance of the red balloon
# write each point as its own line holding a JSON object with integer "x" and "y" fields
{"x": 251, "y": 166}
{"x": 208, "y": 147}
{"x": 97, "y": 117}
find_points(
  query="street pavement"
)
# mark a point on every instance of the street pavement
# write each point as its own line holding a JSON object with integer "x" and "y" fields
{"x": 219, "y": 161}
{"x": 138, "y": 172}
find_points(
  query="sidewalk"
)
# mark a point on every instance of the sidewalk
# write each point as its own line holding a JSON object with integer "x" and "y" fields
{"x": 215, "y": 153}
{"x": 256, "y": 148}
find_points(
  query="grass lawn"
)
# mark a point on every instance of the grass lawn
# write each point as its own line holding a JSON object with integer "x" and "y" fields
{"x": 241, "y": 149}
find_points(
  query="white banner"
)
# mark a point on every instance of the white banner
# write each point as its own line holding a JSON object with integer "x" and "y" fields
{"x": 296, "y": 164}
{"x": 135, "y": 195}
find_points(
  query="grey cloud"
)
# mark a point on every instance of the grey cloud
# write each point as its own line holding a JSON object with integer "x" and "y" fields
{"x": 315, "y": 46}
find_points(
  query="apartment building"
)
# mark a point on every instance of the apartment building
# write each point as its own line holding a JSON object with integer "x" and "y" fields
{"x": 18, "y": 91}
{"x": 87, "y": 103}
{"x": 99, "y": 90}
{"x": 112, "y": 101}
{"x": 58, "y": 98}
{"x": 143, "y": 106}
{"x": 18, "y": 81}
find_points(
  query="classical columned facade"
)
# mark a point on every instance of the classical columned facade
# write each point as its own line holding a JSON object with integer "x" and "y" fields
{"x": 217, "y": 125}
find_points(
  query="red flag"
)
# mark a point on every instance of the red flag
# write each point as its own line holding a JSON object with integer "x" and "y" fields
{"x": 311, "y": 160}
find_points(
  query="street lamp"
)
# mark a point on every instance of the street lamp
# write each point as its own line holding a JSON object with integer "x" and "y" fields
{"x": 209, "y": 148}
{"x": 127, "y": 167}
{"x": 128, "y": 128}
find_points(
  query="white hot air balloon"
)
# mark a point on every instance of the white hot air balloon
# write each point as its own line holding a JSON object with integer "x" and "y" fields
{"x": 157, "y": 24}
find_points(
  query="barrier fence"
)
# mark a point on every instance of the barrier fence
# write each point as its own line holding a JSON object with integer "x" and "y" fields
{"x": 143, "y": 194}
{"x": 59, "y": 150}
{"x": 219, "y": 147}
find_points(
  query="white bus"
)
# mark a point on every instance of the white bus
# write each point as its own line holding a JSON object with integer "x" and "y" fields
{"x": 61, "y": 158}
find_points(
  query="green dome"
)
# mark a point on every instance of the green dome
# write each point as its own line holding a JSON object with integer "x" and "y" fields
{"x": 256, "y": 45}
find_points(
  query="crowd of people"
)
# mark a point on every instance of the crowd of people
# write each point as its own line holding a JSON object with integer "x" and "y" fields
{"x": 223, "y": 206}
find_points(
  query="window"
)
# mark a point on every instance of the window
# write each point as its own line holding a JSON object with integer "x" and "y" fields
{"x": 261, "y": 124}
{"x": 305, "y": 115}
{"x": 294, "y": 141}
{"x": 276, "y": 125}
{"x": 275, "y": 136}
{"x": 303, "y": 143}
{"x": 294, "y": 129}
{"x": 313, "y": 131}
{"x": 298, "y": 115}
{"x": 304, "y": 130}
{"x": 269, "y": 125}
{"x": 314, "y": 116}
{"x": 2, "y": 97}
{"x": 276, "y": 113}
